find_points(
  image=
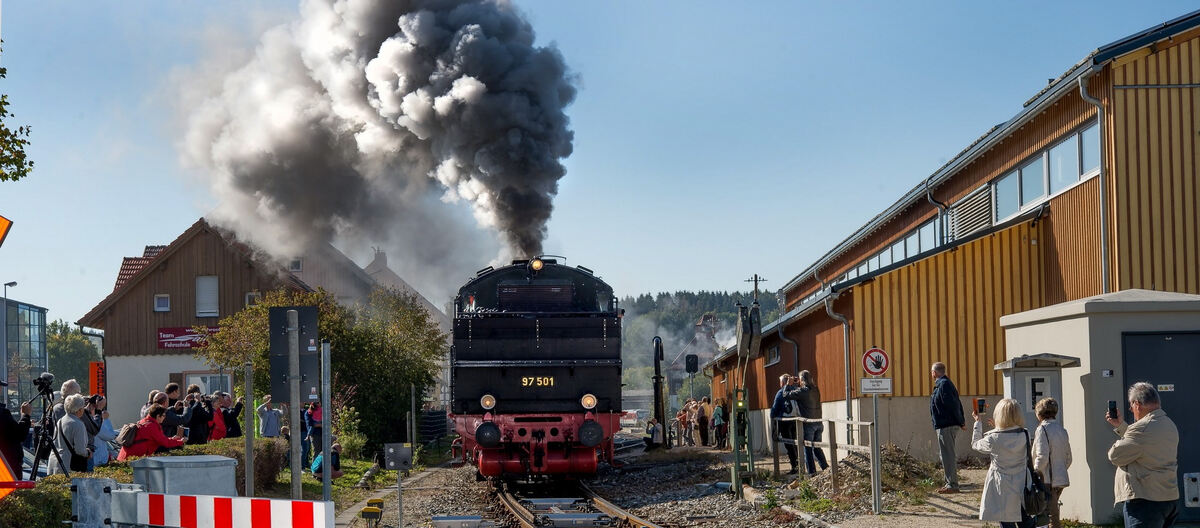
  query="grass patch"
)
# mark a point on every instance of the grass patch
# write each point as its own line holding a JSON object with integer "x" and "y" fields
{"x": 345, "y": 492}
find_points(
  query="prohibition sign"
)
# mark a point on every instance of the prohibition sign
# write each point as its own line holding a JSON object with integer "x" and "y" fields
{"x": 875, "y": 362}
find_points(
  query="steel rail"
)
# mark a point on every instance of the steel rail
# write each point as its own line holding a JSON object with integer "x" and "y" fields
{"x": 614, "y": 511}
{"x": 511, "y": 503}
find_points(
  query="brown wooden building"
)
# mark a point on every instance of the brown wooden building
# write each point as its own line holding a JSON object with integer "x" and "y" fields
{"x": 201, "y": 276}
{"x": 1091, "y": 187}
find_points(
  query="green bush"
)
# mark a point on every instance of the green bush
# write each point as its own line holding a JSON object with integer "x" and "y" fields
{"x": 45, "y": 506}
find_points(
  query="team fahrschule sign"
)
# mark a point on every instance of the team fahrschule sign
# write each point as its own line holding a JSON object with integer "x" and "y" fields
{"x": 182, "y": 337}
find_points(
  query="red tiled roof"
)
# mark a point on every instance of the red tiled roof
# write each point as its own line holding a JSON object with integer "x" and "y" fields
{"x": 129, "y": 267}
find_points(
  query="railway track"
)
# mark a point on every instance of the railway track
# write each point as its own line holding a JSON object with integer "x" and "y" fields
{"x": 531, "y": 507}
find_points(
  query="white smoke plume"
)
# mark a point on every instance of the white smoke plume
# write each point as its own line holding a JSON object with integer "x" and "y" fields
{"x": 373, "y": 121}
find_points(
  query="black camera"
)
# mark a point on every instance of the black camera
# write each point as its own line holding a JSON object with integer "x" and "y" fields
{"x": 94, "y": 399}
{"x": 44, "y": 383}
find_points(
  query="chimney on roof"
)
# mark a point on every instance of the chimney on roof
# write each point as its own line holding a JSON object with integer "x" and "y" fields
{"x": 380, "y": 258}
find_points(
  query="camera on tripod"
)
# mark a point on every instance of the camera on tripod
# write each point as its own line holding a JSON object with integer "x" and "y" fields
{"x": 44, "y": 383}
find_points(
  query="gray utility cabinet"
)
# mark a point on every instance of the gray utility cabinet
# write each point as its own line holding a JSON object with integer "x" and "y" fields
{"x": 187, "y": 475}
{"x": 1166, "y": 360}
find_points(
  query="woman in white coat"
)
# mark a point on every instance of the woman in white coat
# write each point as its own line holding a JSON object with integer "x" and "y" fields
{"x": 1051, "y": 454}
{"x": 1004, "y": 486}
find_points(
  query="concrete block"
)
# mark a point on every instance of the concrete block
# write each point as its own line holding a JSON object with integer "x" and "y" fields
{"x": 187, "y": 475}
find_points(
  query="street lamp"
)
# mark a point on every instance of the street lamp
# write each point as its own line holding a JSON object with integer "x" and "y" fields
{"x": 4, "y": 334}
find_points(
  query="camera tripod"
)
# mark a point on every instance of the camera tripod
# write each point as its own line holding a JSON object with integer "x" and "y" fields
{"x": 45, "y": 437}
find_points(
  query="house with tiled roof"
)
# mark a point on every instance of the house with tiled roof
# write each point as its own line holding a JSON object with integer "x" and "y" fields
{"x": 203, "y": 275}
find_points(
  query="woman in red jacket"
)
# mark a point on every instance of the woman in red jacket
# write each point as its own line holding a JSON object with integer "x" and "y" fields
{"x": 216, "y": 426}
{"x": 150, "y": 438}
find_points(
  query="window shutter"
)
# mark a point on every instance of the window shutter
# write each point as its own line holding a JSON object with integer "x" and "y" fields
{"x": 206, "y": 296}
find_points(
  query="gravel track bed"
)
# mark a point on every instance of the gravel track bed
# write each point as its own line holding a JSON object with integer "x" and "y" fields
{"x": 449, "y": 491}
{"x": 684, "y": 495}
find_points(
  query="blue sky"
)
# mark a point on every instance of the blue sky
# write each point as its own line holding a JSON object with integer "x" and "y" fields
{"x": 711, "y": 143}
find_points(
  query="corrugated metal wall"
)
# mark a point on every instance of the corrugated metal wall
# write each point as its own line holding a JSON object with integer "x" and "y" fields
{"x": 1156, "y": 158}
{"x": 947, "y": 308}
{"x": 1072, "y": 244}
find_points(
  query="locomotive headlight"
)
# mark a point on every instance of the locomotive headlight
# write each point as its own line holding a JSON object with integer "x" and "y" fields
{"x": 588, "y": 401}
{"x": 536, "y": 264}
{"x": 488, "y": 402}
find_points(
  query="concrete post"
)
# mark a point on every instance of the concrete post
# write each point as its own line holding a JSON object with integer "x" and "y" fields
{"x": 293, "y": 329}
{"x": 250, "y": 430}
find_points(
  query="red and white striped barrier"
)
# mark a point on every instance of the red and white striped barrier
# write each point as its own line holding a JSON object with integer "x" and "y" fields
{"x": 207, "y": 511}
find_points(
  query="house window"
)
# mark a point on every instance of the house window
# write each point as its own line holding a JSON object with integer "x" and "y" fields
{"x": 772, "y": 355}
{"x": 1008, "y": 200}
{"x": 162, "y": 302}
{"x": 296, "y": 264}
{"x": 209, "y": 382}
{"x": 1090, "y": 148}
{"x": 928, "y": 236}
{"x": 252, "y": 298}
{"x": 206, "y": 296}
{"x": 1033, "y": 180}
{"x": 1064, "y": 165}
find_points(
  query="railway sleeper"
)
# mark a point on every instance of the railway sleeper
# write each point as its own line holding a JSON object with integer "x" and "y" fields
{"x": 555, "y": 504}
{"x": 463, "y": 521}
{"x": 567, "y": 520}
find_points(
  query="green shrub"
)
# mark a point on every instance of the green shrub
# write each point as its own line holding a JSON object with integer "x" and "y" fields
{"x": 268, "y": 460}
{"x": 45, "y": 506}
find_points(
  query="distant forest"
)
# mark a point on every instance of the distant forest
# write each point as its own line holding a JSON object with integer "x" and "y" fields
{"x": 673, "y": 316}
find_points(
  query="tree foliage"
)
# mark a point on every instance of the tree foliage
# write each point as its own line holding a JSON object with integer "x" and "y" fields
{"x": 673, "y": 317}
{"x": 14, "y": 163}
{"x": 377, "y": 351}
{"x": 69, "y": 353}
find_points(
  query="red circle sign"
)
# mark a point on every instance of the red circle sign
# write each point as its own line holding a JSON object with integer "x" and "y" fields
{"x": 876, "y": 362}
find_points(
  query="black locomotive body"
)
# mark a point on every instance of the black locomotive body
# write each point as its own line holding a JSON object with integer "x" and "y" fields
{"x": 536, "y": 370}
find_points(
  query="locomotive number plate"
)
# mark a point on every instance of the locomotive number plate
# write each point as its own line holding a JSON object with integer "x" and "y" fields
{"x": 537, "y": 381}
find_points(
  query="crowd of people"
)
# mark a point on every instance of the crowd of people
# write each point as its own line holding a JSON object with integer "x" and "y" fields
{"x": 1144, "y": 454}
{"x": 85, "y": 437}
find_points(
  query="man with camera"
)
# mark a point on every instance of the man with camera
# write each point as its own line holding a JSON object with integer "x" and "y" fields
{"x": 14, "y": 432}
{"x": 231, "y": 412}
{"x": 202, "y": 414}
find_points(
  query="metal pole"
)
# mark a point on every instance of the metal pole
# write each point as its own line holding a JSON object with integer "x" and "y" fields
{"x": 326, "y": 428}
{"x": 412, "y": 405}
{"x": 876, "y": 467}
{"x": 251, "y": 414}
{"x": 293, "y": 330}
{"x": 399, "y": 499}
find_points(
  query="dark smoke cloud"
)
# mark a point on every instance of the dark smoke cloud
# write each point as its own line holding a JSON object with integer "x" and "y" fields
{"x": 367, "y": 121}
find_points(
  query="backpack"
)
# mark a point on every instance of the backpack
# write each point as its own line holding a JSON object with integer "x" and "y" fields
{"x": 128, "y": 435}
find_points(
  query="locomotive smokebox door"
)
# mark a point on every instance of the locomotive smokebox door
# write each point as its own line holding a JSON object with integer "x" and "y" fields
{"x": 691, "y": 363}
{"x": 397, "y": 457}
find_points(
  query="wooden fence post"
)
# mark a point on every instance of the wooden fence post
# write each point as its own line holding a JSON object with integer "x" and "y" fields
{"x": 833, "y": 455}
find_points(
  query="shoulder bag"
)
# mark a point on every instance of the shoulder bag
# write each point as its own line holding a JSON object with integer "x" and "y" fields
{"x": 1037, "y": 495}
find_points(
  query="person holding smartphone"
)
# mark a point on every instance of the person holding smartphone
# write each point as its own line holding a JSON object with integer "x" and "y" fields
{"x": 1145, "y": 455}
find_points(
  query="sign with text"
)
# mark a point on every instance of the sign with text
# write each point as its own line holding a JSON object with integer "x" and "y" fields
{"x": 96, "y": 378}
{"x": 875, "y": 385}
{"x": 182, "y": 337}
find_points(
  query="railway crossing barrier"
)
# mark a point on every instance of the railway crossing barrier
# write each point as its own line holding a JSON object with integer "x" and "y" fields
{"x": 102, "y": 503}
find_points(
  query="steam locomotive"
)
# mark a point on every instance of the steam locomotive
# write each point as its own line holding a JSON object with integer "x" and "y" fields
{"x": 536, "y": 371}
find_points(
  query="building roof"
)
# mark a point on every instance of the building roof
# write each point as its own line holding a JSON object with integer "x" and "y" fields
{"x": 1056, "y": 89}
{"x": 135, "y": 269}
{"x": 1124, "y": 301}
{"x": 380, "y": 273}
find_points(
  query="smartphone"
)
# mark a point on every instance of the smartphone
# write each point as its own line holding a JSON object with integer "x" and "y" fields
{"x": 980, "y": 405}
{"x": 1112, "y": 409}
{"x": 184, "y": 430}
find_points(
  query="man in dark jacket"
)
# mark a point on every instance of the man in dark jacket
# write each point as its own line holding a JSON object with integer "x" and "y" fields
{"x": 785, "y": 406}
{"x": 12, "y": 433}
{"x": 233, "y": 429}
{"x": 202, "y": 413}
{"x": 946, "y": 410}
